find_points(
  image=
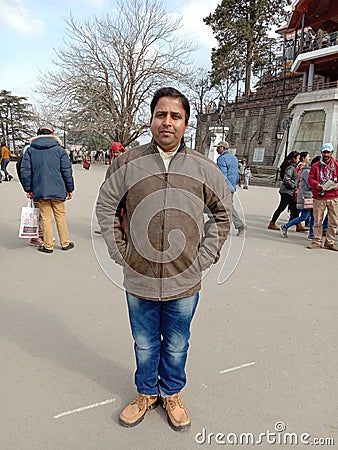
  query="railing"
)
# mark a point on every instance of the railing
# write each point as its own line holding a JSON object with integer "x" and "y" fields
{"x": 279, "y": 97}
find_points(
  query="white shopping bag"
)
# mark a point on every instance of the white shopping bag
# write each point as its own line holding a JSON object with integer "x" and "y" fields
{"x": 29, "y": 224}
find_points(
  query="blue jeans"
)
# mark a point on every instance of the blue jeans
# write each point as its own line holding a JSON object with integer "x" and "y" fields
{"x": 4, "y": 164}
{"x": 304, "y": 215}
{"x": 161, "y": 331}
{"x": 325, "y": 224}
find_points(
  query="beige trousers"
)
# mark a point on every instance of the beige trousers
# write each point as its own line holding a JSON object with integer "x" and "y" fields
{"x": 319, "y": 207}
{"x": 58, "y": 208}
{"x": 37, "y": 205}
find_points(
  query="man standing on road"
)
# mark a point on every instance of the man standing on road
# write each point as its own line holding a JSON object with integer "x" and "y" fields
{"x": 165, "y": 190}
{"x": 322, "y": 174}
{"x": 229, "y": 166}
{"x": 47, "y": 178}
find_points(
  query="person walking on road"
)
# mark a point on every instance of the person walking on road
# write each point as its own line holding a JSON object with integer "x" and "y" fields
{"x": 304, "y": 193}
{"x": 289, "y": 185}
{"x": 323, "y": 179}
{"x": 165, "y": 189}
{"x": 47, "y": 178}
{"x": 228, "y": 164}
{"x": 4, "y": 160}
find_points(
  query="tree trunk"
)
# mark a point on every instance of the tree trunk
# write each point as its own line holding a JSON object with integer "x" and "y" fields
{"x": 248, "y": 69}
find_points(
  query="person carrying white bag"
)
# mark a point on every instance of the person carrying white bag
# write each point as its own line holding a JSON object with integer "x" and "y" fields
{"x": 47, "y": 177}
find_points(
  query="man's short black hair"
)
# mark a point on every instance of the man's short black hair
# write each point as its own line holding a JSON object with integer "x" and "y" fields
{"x": 170, "y": 92}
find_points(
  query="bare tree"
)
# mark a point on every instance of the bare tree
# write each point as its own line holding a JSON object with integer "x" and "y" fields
{"x": 110, "y": 67}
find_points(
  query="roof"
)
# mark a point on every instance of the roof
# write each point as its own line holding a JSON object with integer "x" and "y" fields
{"x": 318, "y": 14}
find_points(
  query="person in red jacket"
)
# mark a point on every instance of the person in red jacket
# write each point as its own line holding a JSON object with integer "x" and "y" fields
{"x": 323, "y": 178}
{"x": 116, "y": 149}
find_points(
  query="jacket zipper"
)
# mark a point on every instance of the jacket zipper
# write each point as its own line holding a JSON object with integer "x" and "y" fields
{"x": 165, "y": 187}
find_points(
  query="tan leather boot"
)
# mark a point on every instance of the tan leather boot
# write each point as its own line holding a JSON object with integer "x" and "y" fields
{"x": 272, "y": 226}
{"x": 314, "y": 245}
{"x": 331, "y": 246}
{"x": 299, "y": 227}
{"x": 177, "y": 414}
{"x": 134, "y": 413}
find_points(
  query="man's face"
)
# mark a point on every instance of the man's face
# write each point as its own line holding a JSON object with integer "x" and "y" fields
{"x": 326, "y": 156}
{"x": 168, "y": 123}
{"x": 220, "y": 150}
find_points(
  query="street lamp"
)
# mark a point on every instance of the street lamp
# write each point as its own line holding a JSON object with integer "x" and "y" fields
{"x": 285, "y": 129}
{"x": 280, "y": 135}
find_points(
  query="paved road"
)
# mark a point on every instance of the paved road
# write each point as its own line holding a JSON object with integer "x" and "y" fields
{"x": 65, "y": 341}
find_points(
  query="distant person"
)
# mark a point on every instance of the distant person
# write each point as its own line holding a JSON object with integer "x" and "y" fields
{"x": 4, "y": 160}
{"x": 241, "y": 169}
{"x": 247, "y": 177}
{"x": 309, "y": 35}
{"x": 116, "y": 149}
{"x": 47, "y": 178}
{"x": 289, "y": 185}
{"x": 228, "y": 164}
{"x": 87, "y": 161}
{"x": 319, "y": 38}
{"x": 325, "y": 198}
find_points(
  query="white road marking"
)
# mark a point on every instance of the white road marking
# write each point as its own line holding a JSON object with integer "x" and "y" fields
{"x": 237, "y": 367}
{"x": 84, "y": 408}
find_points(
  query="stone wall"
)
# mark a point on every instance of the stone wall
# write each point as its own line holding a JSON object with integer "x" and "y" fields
{"x": 252, "y": 131}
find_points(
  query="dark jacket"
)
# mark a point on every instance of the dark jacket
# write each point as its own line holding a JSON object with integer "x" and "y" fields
{"x": 290, "y": 180}
{"x": 46, "y": 169}
{"x": 167, "y": 240}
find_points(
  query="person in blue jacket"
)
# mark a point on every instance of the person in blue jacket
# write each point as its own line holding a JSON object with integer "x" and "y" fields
{"x": 47, "y": 177}
{"x": 228, "y": 164}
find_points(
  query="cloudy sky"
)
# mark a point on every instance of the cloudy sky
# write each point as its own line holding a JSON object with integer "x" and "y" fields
{"x": 30, "y": 29}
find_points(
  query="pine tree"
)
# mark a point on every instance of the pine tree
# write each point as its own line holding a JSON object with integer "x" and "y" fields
{"x": 241, "y": 28}
{"x": 15, "y": 119}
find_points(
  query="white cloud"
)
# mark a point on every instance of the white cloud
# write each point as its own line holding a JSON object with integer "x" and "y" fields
{"x": 195, "y": 29}
{"x": 15, "y": 15}
{"x": 193, "y": 14}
